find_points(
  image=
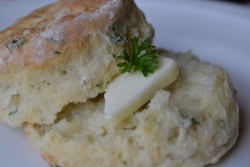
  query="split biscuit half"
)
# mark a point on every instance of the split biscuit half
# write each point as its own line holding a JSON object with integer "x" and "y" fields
{"x": 63, "y": 53}
{"x": 193, "y": 122}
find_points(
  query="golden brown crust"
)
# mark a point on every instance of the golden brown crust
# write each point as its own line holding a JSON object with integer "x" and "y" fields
{"x": 59, "y": 26}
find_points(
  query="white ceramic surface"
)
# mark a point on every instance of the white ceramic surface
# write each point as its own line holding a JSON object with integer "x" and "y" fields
{"x": 216, "y": 32}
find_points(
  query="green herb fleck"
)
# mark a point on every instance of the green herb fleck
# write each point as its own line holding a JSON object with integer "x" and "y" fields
{"x": 189, "y": 122}
{"x": 194, "y": 121}
{"x": 52, "y": 39}
{"x": 223, "y": 123}
{"x": 99, "y": 85}
{"x": 124, "y": 162}
{"x": 15, "y": 43}
{"x": 57, "y": 52}
{"x": 143, "y": 58}
{"x": 13, "y": 112}
{"x": 7, "y": 87}
{"x": 41, "y": 119}
{"x": 117, "y": 39}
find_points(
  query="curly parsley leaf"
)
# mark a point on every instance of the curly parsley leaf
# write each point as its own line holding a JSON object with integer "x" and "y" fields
{"x": 143, "y": 58}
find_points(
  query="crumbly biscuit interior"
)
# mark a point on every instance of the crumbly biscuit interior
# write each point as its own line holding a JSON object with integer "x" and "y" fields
{"x": 193, "y": 122}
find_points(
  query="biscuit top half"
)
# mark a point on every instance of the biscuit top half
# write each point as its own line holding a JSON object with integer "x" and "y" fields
{"x": 64, "y": 53}
{"x": 38, "y": 37}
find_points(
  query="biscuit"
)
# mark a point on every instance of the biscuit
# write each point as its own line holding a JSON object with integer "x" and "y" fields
{"x": 63, "y": 53}
{"x": 191, "y": 123}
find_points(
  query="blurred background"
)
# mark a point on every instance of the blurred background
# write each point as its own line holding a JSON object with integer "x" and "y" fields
{"x": 239, "y": 1}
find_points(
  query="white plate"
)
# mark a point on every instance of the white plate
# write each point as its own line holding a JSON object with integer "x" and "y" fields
{"x": 217, "y": 32}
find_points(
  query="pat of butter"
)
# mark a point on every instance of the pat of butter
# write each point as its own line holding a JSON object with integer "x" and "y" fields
{"x": 129, "y": 91}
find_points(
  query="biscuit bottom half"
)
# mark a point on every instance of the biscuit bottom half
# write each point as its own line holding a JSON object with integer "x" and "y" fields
{"x": 193, "y": 122}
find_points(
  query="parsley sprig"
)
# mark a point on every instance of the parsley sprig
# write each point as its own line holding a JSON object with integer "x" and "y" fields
{"x": 143, "y": 58}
